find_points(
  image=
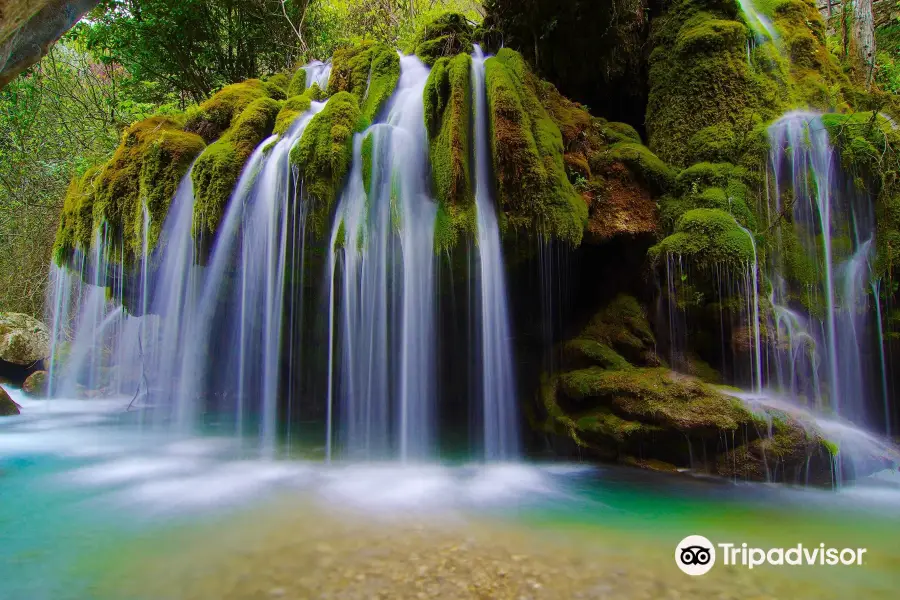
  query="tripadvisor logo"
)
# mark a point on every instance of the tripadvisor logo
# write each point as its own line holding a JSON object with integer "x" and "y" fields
{"x": 696, "y": 555}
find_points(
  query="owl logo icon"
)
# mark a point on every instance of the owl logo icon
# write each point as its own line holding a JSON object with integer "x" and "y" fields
{"x": 695, "y": 555}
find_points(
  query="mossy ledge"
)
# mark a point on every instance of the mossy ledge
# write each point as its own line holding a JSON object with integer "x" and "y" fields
{"x": 448, "y": 121}
{"x": 325, "y": 152}
{"x": 217, "y": 114}
{"x": 367, "y": 70}
{"x": 615, "y": 401}
{"x": 218, "y": 169}
{"x": 707, "y": 236}
{"x": 533, "y": 189}
{"x": 145, "y": 170}
{"x": 295, "y": 106}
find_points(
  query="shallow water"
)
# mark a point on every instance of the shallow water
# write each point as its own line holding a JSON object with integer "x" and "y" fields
{"x": 93, "y": 507}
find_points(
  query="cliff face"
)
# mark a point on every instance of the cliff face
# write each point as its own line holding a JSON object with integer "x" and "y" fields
{"x": 29, "y": 28}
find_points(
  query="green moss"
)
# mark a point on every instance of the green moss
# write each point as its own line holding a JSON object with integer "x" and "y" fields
{"x": 597, "y": 353}
{"x": 533, "y": 188}
{"x": 657, "y": 396}
{"x": 624, "y": 131}
{"x": 216, "y": 114}
{"x": 715, "y": 143}
{"x": 325, "y": 152}
{"x": 448, "y": 120}
{"x": 298, "y": 83}
{"x": 218, "y": 169}
{"x": 76, "y": 223}
{"x": 295, "y": 106}
{"x": 366, "y": 150}
{"x": 369, "y": 71}
{"x": 644, "y": 165}
{"x": 280, "y": 81}
{"x": 447, "y": 35}
{"x": 707, "y": 236}
{"x": 144, "y": 171}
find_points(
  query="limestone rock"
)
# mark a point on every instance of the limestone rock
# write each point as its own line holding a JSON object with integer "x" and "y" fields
{"x": 23, "y": 339}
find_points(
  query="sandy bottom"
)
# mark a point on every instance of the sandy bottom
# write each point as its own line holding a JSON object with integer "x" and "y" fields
{"x": 291, "y": 550}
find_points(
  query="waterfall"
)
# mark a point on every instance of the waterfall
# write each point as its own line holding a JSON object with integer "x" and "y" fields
{"x": 498, "y": 388}
{"x": 381, "y": 287}
{"x": 823, "y": 334}
{"x": 216, "y": 339}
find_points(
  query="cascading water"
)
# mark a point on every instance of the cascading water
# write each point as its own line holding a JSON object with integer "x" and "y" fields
{"x": 501, "y": 436}
{"x": 383, "y": 309}
{"x": 159, "y": 354}
{"x": 318, "y": 72}
{"x": 149, "y": 339}
{"x": 823, "y": 348}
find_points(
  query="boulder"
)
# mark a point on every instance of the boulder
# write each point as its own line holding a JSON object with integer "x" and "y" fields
{"x": 7, "y": 406}
{"x": 24, "y": 341}
{"x": 36, "y": 383}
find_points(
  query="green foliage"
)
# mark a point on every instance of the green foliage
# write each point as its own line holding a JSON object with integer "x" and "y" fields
{"x": 448, "y": 120}
{"x": 533, "y": 188}
{"x": 218, "y": 169}
{"x": 325, "y": 152}
{"x": 447, "y": 35}
{"x": 56, "y": 120}
{"x": 887, "y": 58}
{"x": 197, "y": 46}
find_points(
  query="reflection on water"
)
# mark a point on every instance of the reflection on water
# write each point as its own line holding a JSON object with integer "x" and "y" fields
{"x": 93, "y": 507}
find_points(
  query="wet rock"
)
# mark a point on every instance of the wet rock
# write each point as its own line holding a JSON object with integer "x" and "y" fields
{"x": 7, "y": 406}
{"x": 36, "y": 383}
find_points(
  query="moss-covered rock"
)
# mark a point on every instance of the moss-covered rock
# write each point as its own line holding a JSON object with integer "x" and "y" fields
{"x": 616, "y": 336}
{"x": 218, "y": 169}
{"x": 145, "y": 170}
{"x": 325, "y": 152}
{"x": 447, "y": 35}
{"x": 76, "y": 223}
{"x": 708, "y": 236}
{"x": 295, "y": 106}
{"x": 297, "y": 84}
{"x": 534, "y": 191}
{"x": 369, "y": 71}
{"x": 643, "y": 164}
{"x": 216, "y": 114}
{"x": 448, "y": 121}
{"x": 36, "y": 384}
{"x": 658, "y": 396}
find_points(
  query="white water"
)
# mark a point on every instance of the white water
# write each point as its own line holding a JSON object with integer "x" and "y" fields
{"x": 318, "y": 72}
{"x": 498, "y": 388}
{"x": 382, "y": 379}
{"x": 827, "y": 356}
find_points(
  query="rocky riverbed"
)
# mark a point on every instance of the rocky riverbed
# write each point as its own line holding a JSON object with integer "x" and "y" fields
{"x": 297, "y": 550}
